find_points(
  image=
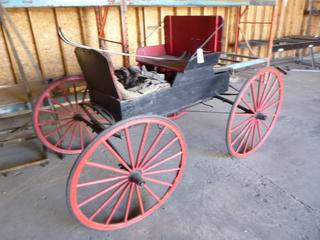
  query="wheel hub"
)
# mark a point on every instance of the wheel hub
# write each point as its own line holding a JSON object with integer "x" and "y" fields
{"x": 136, "y": 177}
{"x": 260, "y": 116}
{"x": 78, "y": 117}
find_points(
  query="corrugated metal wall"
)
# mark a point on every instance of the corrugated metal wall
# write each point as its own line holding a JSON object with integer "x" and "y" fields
{"x": 39, "y": 29}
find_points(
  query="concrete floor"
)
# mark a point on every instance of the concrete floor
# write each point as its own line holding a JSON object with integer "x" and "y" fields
{"x": 273, "y": 194}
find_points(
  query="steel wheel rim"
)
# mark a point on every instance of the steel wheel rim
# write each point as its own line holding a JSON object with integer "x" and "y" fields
{"x": 267, "y": 89}
{"x": 128, "y": 187}
{"x": 65, "y": 128}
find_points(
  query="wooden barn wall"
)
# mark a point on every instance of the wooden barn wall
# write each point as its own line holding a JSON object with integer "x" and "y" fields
{"x": 39, "y": 29}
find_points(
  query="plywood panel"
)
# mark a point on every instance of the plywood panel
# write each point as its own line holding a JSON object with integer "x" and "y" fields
{"x": 6, "y": 72}
{"x": 20, "y": 18}
{"x": 113, "y": 32}
{"x": 68, "y": 20}
{"x": 45, "y": 31}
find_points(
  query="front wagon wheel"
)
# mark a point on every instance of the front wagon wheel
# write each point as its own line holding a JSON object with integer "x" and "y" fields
{"x": 126, "y": 173}
{"x": 262, "y": 96}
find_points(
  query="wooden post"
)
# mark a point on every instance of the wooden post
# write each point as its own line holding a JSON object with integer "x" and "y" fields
{"x": 124, "y": 31}
{"x": 273, "y": 29}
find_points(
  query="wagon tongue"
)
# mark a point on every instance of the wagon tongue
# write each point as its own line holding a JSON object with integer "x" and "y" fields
{"x": 261, "y": 116}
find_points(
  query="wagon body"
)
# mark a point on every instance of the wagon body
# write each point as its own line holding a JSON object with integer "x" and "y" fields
{"x": 196, "y": 83}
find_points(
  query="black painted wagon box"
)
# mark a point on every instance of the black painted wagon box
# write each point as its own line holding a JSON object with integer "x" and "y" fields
{"x": 132, "y": 153}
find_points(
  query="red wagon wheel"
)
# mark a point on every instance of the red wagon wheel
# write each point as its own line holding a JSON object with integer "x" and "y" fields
{"x": 126, "y": 173}
{"x": 57, "y": 116}
{"x": 262, "y": 97}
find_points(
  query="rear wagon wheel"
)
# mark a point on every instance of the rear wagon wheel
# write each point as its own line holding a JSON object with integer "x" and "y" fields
{"x": 56, "y": 116}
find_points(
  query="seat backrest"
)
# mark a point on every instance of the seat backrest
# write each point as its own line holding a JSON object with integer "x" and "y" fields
{"x": 188, "y": 33}
{"x": 98, "y": 72}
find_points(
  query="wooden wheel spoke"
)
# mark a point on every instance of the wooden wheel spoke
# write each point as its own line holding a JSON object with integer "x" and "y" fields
{"x": 247, "y": 104}
{"x": 245, "y": 136}
{"x": 169, "y": 170}
{"x": 253, "y": 134}
{"x": 55, "y": 112}
{"x": 129, "y": 147}
{"x": 265, "y": 124}
{"x": 89, "y": 133}
{"x": 58, "y": 103}
{"x": 106, "y": 202}
{"x": 142, "y": 143}
{"x": 59, "y": 120}
{"x": 270, "y": 98}
{"x": 65, "y": 95}
{"x": 75, "y": 96}
{"x": 253, "y": 96}
{"x": 100, "y": 181}
{"x": 139, "y": 199}
{"x": 247, "y": 140}
{"x": 266, "y": 83}
{"x": 126, "y": 216}
{"x": 259, "y": 131}
{"x": 81, "y": 136}
{"x": 116, "y": 154}
{"x": 261, "y": 80}
{"x": 116, "y": 206}
{"x": 99, "y": 194}
{"x": 156, "y": 155}
{"x": 271, "y": 105}
{"x": 267, "y": 95}
{"x": 153, "y": 180}
{"x": 149, "y": 190}
{"x": 241, "y": 132}
{"x": 153, "y": 145}
{"x": 59, "y": 141}
{"x": 163, "y": 161}
{"x": 73, "y": 135}
{"x": 58, "y": 128}
{"x": 238, "y": 126}
{"x": 106, "y": 167}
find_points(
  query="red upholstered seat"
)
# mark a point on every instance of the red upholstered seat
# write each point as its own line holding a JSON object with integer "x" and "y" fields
{"x": 183, "y": 34}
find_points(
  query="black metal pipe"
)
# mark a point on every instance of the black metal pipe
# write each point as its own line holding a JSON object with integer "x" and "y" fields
{"x": 223, "y": 99}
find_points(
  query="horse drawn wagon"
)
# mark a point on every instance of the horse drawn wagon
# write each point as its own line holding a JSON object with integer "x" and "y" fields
{"x": 132, "y": 153}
